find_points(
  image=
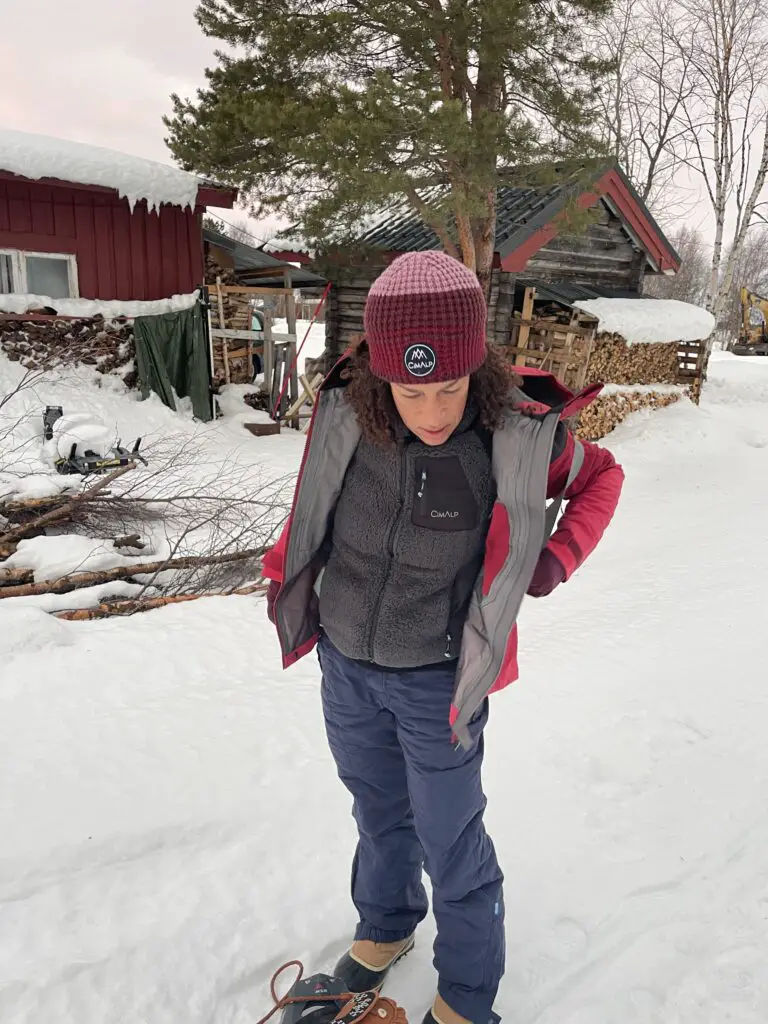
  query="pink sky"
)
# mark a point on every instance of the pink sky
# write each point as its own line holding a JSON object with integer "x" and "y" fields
{"x": 101, "y": 71}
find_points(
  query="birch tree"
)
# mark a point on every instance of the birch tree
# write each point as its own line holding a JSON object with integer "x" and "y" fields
{"x": 643, "y": 98}
{"x": 726, "y": 118}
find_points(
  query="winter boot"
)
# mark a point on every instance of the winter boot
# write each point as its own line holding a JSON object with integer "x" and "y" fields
{"x": 366, "y": 965}
{"x": 441, "y": 1013}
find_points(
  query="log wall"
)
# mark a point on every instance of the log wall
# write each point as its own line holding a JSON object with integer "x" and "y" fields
{"x": 600, "y": 255}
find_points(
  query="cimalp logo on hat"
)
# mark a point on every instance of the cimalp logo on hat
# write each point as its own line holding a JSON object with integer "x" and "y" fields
{"x": 420, "y": 360}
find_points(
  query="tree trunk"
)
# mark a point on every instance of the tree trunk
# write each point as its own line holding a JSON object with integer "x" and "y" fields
{"x": 485, "y": 244}
{"x": 723, "y": 291}
{"x": 109, "y": 608}
{"x": 76, "y": 581}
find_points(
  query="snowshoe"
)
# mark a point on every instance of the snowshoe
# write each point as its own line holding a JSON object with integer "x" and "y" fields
{"x": 88, "y": 461}
{"x": 324, "y": 999}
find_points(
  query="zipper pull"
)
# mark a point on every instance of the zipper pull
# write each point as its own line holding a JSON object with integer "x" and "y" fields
{"x": 422, "y": 485}
{"x": 448, "y": 641}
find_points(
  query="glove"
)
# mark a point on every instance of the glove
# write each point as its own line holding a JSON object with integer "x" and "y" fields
{"x": 548, "y": 574}
{"x": 272, "y": 591}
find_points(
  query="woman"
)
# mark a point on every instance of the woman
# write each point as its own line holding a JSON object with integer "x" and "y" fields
{"x": 418, "y": 526}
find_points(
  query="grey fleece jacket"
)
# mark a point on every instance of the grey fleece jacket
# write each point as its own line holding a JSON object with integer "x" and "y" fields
{"x": 406, "y": 548}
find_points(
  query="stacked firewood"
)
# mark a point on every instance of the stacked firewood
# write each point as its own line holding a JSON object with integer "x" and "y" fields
{"x": 214, "y": 270}
{"x": 46, "y": 344}
{"x": 614, "y": 361}
{"x": 608, "y": 411}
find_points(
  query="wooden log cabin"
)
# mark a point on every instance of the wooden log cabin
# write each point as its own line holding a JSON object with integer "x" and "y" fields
{"x": 610, "y": 256}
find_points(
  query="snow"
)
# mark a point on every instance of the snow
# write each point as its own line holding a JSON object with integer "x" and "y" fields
{"x": 85, "y": 597}
{"x": 642, "y": 389}
{"x": 41, "y": 156}
{"x": 650, "y": 320}
{"x": 314, "y": 346}
{"x": 54, "y": 556}
{"x": 174, "y": 829}
{"x": 108, "y": 308}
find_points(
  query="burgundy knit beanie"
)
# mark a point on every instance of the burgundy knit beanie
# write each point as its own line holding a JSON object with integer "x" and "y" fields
{"x": 425, "y": 320}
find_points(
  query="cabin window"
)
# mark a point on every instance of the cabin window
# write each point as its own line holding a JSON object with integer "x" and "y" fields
{"x": 49, "y": 274}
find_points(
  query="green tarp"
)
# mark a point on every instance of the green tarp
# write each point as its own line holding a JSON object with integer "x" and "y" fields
{"x": 172, "y": 356}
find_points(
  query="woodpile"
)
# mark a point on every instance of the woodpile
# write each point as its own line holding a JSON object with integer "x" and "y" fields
{"x": 613, "y": 361}
{"x": 214, "y": 270}
{"x": 46, "y": 344}
{"x": 608, "y": 411}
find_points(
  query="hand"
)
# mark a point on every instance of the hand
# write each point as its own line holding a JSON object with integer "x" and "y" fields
{"x": 548, "y": 574}
{"x": 272, "y": 592}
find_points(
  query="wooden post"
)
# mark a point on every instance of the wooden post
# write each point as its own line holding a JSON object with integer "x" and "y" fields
{"x": 269, "y": 351}
{"x": 222, "y": 325}
{"x": 249, "y": 343}
{"x": 525, "y": 328}
{"x": 290, "y": 315}
{"x": 277, "y": 377}
{"x": 292, "y": 391}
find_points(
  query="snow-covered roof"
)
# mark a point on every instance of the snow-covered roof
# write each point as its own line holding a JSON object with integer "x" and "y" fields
{"x": 41, "y": 156}
{"x": 108, "y": 308}
{"x": 650, "y": 320}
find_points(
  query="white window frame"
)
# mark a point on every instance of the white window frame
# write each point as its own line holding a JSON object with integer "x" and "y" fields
{"x": 19, "y": 269}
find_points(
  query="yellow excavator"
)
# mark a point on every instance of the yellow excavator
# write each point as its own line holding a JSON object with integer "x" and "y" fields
{"x": 753, "y": 334}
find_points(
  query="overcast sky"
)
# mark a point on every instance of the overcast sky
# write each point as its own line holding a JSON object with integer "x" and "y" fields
{"x": 101, "y": 71}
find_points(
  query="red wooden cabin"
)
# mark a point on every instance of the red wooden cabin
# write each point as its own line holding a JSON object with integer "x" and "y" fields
{"x": 67, "y": 238}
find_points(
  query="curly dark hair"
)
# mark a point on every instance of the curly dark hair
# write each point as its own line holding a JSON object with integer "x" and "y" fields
{"x": 490, "y": 386}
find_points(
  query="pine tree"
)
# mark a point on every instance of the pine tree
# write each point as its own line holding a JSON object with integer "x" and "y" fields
{"x": 326, "y": 111}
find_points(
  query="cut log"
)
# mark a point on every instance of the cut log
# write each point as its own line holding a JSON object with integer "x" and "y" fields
{"x": 78, "y": 580}
{"x": 10, "y": 576}
{"x": 111, "y": 608}
{"x": 133, "y": 540}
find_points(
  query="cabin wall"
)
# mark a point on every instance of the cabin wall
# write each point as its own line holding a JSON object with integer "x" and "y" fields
{"x": 120, "y": 254}
{"x": 602, "y": 255}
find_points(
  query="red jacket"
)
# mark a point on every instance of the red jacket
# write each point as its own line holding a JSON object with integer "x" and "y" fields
{"x": 591, "y": 500}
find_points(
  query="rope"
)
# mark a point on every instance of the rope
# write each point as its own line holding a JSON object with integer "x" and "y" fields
{"x": 275, "y": 411}
{"x": 282, "y": 1001}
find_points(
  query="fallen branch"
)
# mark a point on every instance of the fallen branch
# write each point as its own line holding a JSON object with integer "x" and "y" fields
{"x": 133, "y": 540}
{"x": 66, "y": 510}
{"x": 109, "y": 609}
{"x": 29, "y": 504}
{"x": 15, "y": 576}
{"x": 76, "y": 581}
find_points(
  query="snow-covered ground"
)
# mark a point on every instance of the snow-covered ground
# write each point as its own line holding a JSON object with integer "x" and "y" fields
{"x": 173, "y": 829}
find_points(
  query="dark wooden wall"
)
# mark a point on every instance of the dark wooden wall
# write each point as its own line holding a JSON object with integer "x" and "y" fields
{"x": 601, "y": 255}
{"x": 120, "y": 254}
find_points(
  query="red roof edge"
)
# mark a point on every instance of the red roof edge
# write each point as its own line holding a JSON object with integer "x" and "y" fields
{"x": 216, "y": 195}
{"x": 639, "y": 221}
{"x": 629, "y": 208}
{"x": 291, "y": 255}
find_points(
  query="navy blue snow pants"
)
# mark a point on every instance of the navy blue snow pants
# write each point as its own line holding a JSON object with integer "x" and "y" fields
{"x": 418, "y": 803}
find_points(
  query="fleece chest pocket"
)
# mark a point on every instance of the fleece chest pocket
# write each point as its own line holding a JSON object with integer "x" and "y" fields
{"x": 443, "y": 499}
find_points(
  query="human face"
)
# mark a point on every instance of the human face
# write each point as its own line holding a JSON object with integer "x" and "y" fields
{"x": 432, "y": 411}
